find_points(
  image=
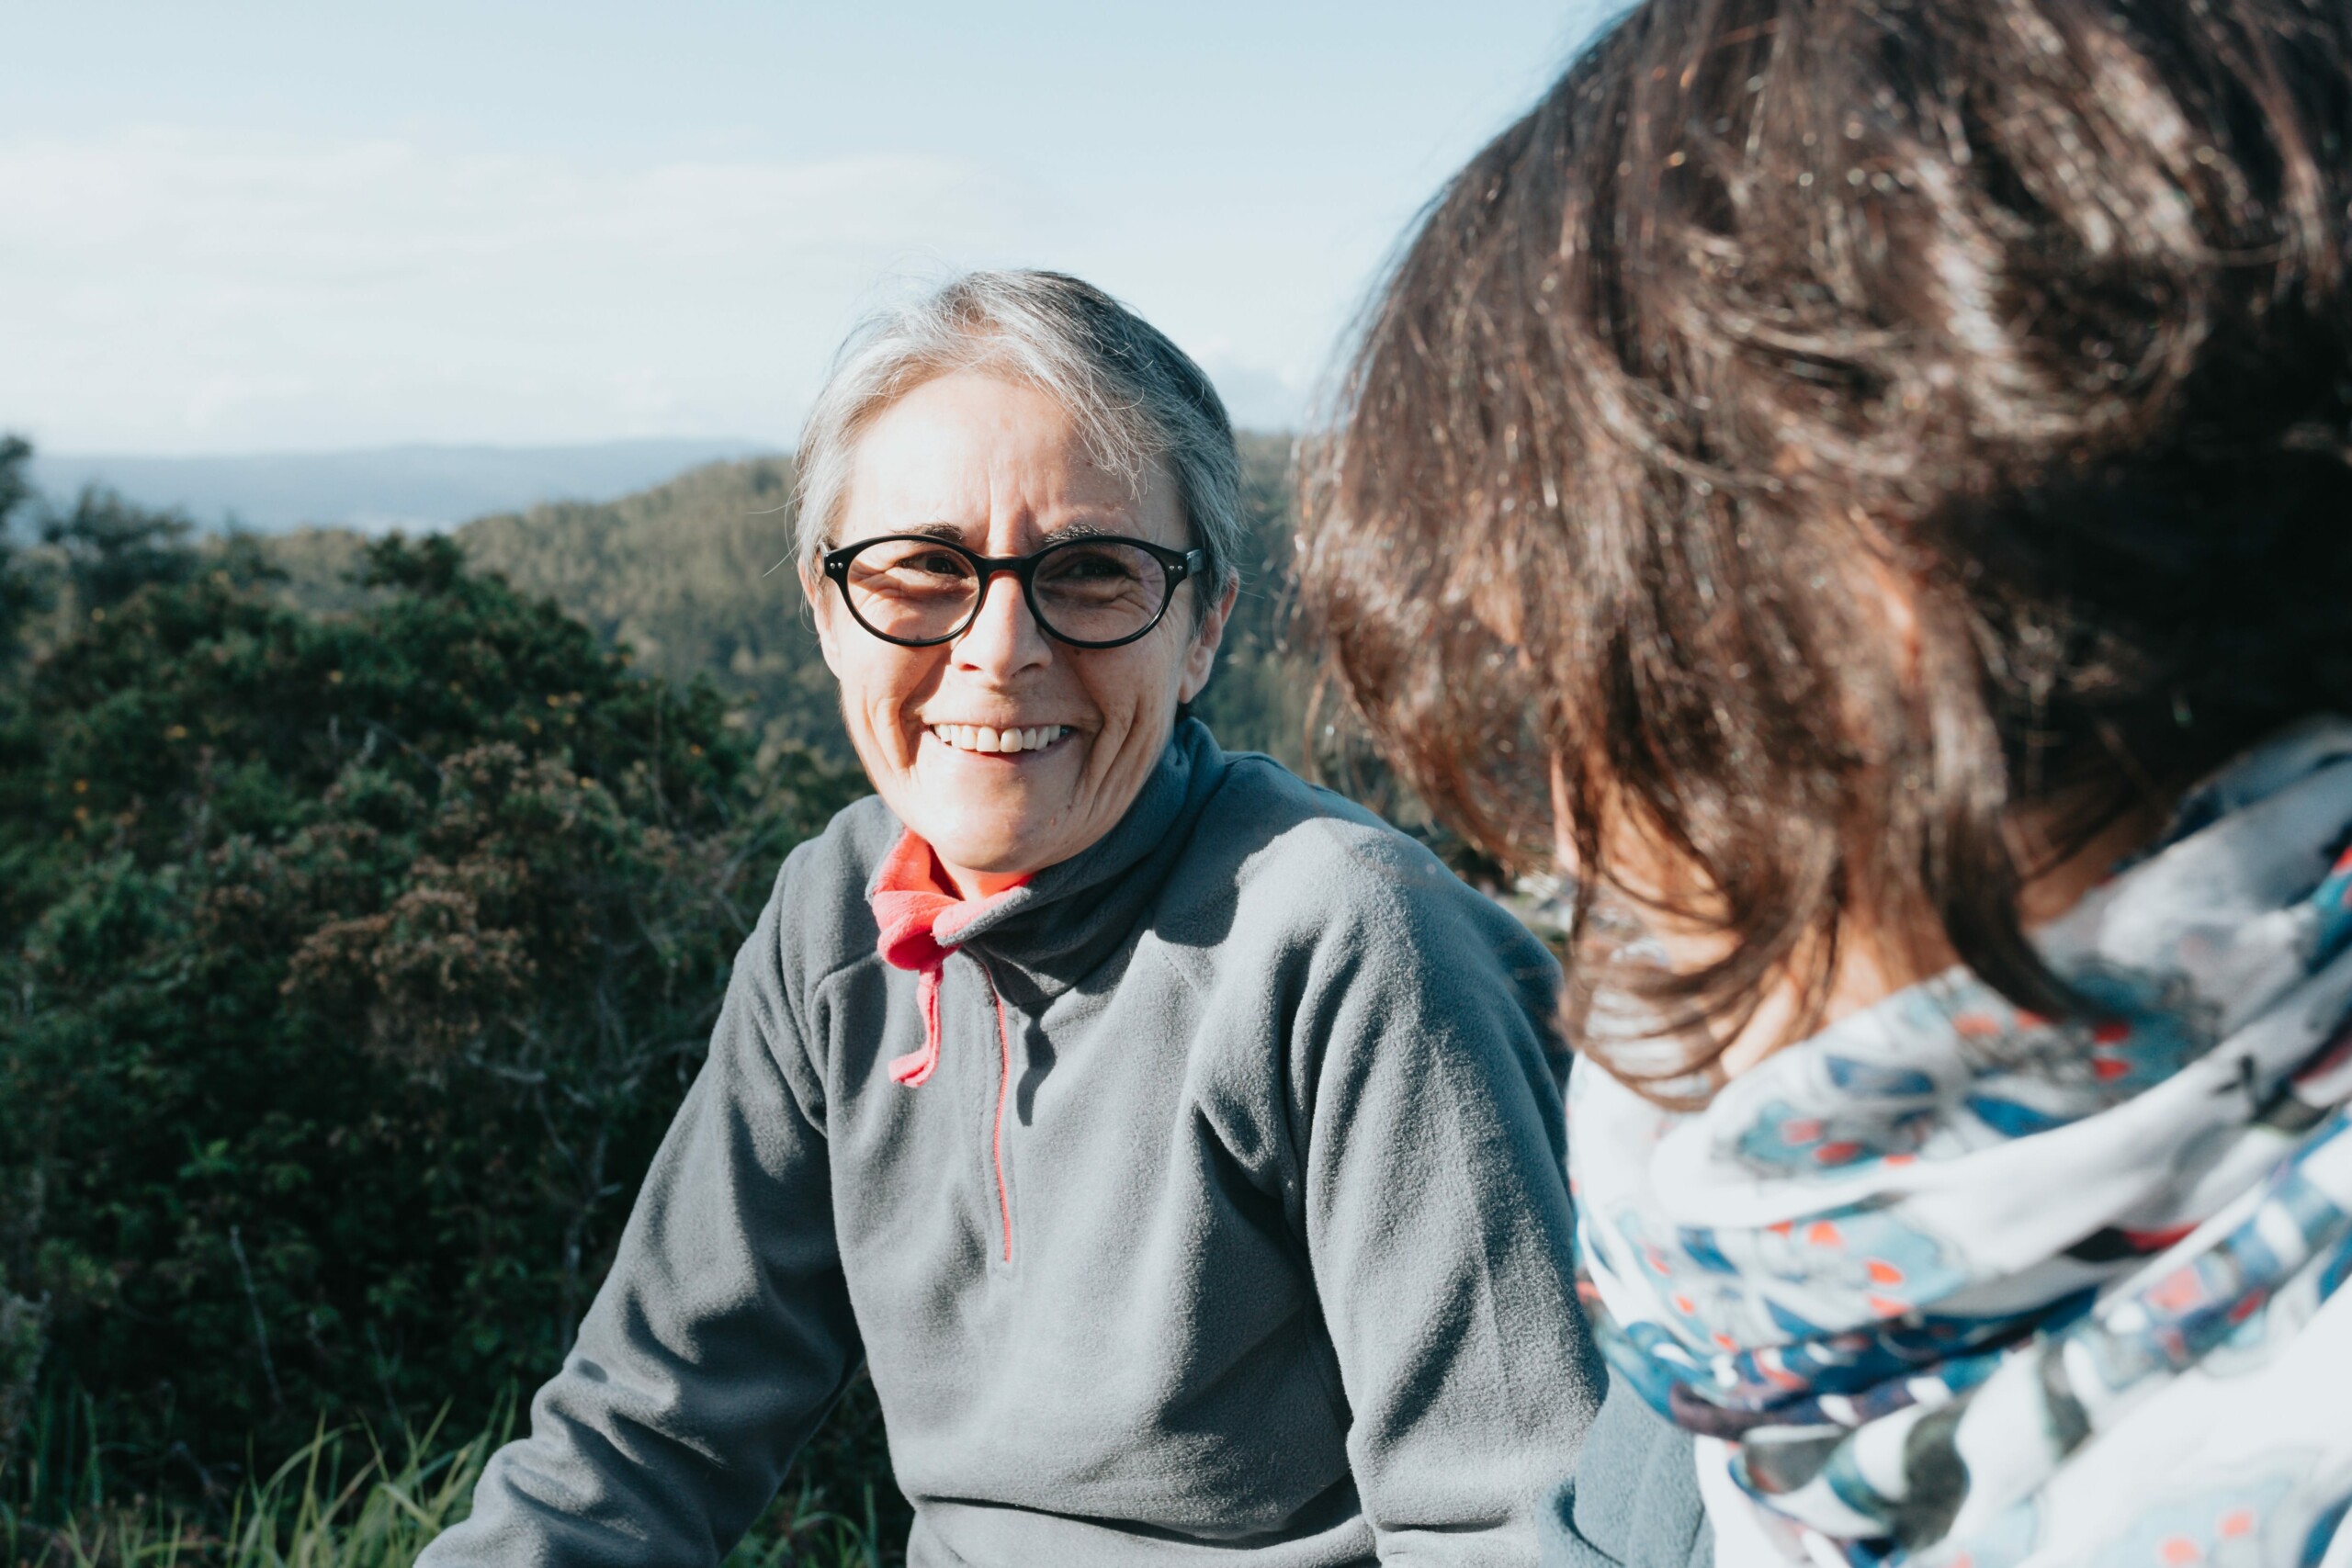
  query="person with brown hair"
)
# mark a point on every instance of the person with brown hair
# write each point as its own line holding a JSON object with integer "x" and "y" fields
{"x": 1866, "y": 490}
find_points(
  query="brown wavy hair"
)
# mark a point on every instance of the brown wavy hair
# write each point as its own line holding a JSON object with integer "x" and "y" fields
{"x": 2034, "y": 311}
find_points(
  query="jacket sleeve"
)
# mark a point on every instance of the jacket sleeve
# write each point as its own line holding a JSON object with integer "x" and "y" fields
{"x": 1634, "y": 1502}
{"x": 719, "y": 1339}
{"x": 1437, "y": 1220}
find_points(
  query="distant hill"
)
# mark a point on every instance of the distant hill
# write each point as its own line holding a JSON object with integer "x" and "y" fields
{"x": 693, "y": 574}
{"x": 415, "y": 488}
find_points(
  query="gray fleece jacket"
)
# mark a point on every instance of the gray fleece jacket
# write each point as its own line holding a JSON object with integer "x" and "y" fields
{"x": 1229, "y": 1228}
{"x": 1633, "y": 1501}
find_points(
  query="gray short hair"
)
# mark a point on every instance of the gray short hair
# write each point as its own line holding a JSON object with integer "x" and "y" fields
{"x": 1137, "y": 399}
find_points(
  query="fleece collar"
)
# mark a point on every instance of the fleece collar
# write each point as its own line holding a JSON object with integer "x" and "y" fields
{"x": 919, "y": 919}
{"x": 1058, "y": 926}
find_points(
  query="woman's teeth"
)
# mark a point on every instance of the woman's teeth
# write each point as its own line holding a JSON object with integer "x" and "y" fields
{"x": 980, "y": 737}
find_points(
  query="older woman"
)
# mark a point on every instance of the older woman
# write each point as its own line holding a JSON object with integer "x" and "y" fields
{"x": 1845, "y": 476}
{"x": 1176, "y": 1144}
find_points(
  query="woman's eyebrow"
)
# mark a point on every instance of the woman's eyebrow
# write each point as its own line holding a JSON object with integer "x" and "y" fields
{"x": 1081, "y": 529}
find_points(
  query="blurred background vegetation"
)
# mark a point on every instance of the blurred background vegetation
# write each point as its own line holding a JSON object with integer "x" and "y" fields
{"x": 363, "y": 905}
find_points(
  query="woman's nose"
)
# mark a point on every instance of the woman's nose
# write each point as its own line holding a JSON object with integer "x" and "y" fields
{"x": 1004, "y": 637}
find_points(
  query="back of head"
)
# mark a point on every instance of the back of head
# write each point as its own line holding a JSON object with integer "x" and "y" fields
{"x": 1819, "y": 431}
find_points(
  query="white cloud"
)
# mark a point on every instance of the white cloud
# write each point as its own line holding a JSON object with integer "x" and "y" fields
{"x": 163, "y": 289}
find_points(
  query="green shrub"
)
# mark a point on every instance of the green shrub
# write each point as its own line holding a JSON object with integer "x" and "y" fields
{"x": 352, "y": 969}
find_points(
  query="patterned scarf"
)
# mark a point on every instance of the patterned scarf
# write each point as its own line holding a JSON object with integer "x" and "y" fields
{"x": 1951, "y": 1284}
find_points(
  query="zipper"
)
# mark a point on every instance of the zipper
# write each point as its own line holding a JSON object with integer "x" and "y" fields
{"x": 1003, "y": 1093}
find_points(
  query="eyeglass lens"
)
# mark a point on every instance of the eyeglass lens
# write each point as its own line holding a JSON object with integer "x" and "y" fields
{"x": 1085, "y": 591}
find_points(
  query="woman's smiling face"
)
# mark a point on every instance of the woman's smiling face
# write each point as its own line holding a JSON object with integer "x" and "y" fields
{"x": 1004, "y": 467}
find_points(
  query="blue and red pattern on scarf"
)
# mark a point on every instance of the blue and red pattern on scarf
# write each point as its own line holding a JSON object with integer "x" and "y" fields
{"x": 1950, "y": 1282}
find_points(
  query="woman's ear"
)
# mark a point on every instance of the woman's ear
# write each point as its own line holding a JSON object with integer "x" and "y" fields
{"x": 1200, "y": 657}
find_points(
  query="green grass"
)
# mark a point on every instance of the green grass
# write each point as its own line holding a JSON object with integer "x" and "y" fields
{"x": 311, "y": 1512}
{"x": 344, "y": 1501}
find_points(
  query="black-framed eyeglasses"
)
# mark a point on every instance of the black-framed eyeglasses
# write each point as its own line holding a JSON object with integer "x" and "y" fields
{"x": 1097, "y": 591}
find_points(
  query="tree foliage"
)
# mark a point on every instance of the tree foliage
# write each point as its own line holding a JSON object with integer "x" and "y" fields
{"x": 21, "y": 594}
{"x": 352, "y": 966}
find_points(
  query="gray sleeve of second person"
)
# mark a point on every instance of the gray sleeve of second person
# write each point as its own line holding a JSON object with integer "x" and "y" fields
{"x": 1438, "y": 1225}
{"x": 719, "y": 1339}
{"x": 1634, "y": 1502}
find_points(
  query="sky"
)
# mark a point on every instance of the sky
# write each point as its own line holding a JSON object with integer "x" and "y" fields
{"x": 237, "y": 228}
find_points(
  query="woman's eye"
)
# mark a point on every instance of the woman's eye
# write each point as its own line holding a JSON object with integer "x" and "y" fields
{"x": 1090, "y": 566}
{"x": 920, "y": 563}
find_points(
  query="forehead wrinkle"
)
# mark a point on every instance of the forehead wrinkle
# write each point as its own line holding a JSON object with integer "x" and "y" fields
{"x": 1101, "y": 504}
{"x": 1044, "y": 499}
{"x": 884, "y": 492}
{"x": 1020, "y": 486}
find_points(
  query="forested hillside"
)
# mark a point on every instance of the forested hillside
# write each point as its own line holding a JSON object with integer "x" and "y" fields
{"x": 421, "y": 487}
{"x": 693, "y": 576}
{"x": 354, "y": 965}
